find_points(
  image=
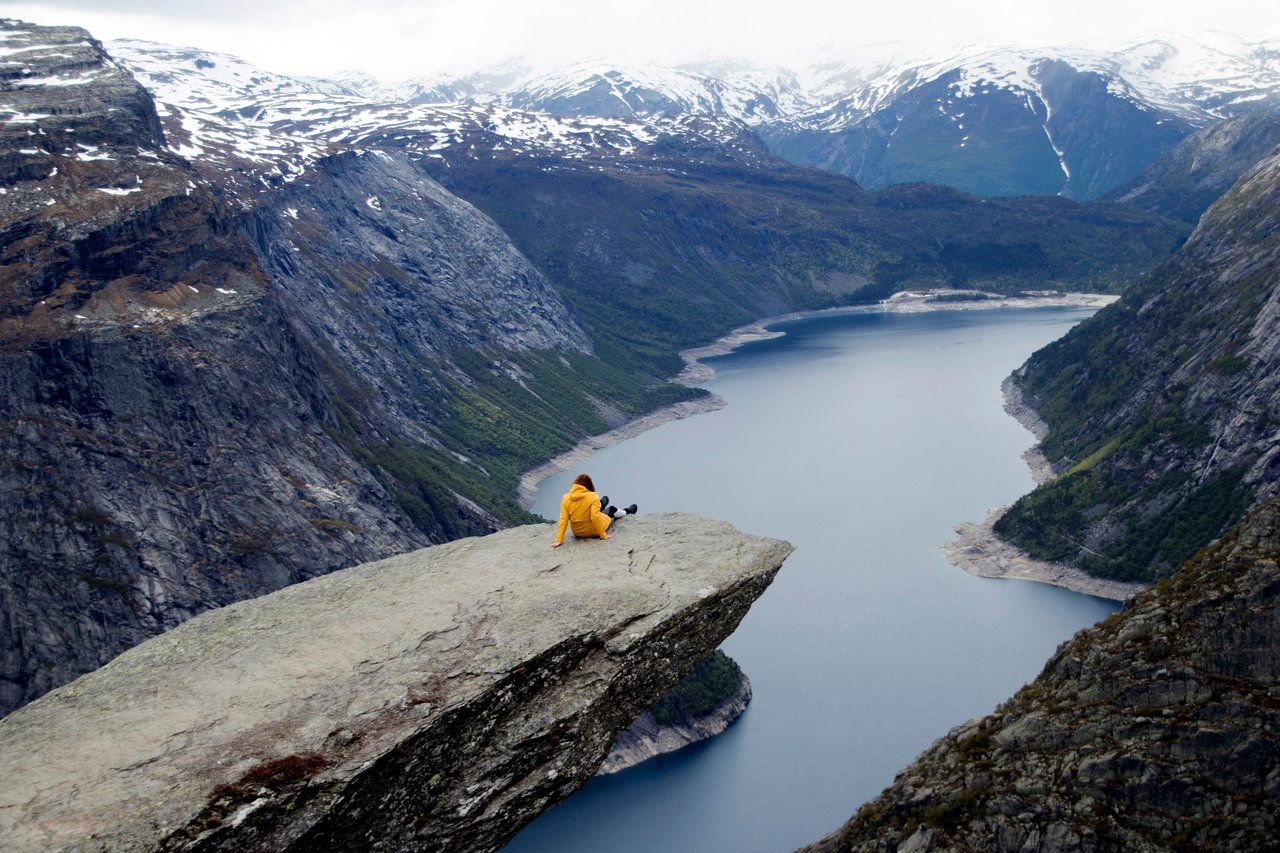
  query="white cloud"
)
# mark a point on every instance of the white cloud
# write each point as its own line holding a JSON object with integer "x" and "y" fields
{"x": 395, "y": 38}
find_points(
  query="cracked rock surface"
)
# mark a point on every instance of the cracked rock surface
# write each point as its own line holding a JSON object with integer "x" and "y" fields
{"x": 439, "y": 699}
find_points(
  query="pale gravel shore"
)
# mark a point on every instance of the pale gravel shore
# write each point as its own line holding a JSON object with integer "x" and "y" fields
{"x": 980, "y": 552}
{"x": 906, "y": 302}
{"x": 695, "y": 371}
{"x": 530, "y": 479}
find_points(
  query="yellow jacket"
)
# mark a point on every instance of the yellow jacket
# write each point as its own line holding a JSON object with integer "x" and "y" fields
{"x": 580, "y": 509}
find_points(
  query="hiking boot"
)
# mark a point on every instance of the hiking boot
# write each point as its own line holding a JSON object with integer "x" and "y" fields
{"x": 632, "y": 510}
{"x": 604, "y": 504}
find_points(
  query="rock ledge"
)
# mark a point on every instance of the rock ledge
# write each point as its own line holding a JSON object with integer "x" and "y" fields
{"x": 436, "y": 700}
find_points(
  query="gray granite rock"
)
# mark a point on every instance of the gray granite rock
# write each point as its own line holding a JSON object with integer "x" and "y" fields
{"x": 435, "y": 700}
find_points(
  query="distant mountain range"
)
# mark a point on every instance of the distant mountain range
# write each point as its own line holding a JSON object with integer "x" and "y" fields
{"x": 988, "y": 119}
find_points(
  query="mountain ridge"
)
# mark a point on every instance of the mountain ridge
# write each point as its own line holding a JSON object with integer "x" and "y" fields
{"x": 1074, "y": 120}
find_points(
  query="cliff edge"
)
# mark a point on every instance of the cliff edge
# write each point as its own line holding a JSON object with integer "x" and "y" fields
{"x": 439, "y": 699}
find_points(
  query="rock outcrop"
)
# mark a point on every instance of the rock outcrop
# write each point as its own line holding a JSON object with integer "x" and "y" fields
{"x": 1162, "y": 407}
{"x": 665, "y": 728}
{"x": 208, "y": 397}
{"x": 436, "y": 700}
{"x": 1157, "y": 729}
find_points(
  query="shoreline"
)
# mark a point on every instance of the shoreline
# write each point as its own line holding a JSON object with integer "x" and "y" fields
{"x": 695, "y": 372}
{"x": 904, "y": 302}
{"x": 530, "y": 479}
{"x": 978, "y": 551}
{"x": 647, "y": 738}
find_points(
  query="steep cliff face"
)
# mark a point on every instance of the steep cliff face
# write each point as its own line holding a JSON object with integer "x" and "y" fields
{"x": 164, "y": 433}
{"x": 1155, "y": 730}
{"x": 212, "y": 393}
{"x": 1162, "y": 408}
{"x": 1186, "y": 181}
{"x": 436, "y": 700}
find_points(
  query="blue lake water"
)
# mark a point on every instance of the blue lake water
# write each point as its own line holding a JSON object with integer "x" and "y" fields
{"x": 863, "y": 440}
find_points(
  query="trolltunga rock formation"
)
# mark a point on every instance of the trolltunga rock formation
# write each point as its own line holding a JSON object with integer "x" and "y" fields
{"x": 439, "y": 699}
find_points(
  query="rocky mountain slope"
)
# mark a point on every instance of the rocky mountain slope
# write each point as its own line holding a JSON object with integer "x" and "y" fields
{"x": 1154, "y": 730}
{"x": 435, "y": 700}
{"x": 1186, "y": 181}
{"x": 211, "y": 395}
{"x": 1162, "y": 407}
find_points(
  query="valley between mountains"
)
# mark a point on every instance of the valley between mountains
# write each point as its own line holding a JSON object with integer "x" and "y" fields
{"x": 258, "y": 328}
{"x": 234, "y": 365}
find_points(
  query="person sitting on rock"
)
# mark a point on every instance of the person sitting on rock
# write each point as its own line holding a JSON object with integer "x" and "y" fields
{"x": 586, "y": 513}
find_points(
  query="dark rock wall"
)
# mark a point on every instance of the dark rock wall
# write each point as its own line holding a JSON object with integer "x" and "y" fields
{"x": 190, "y": 388}
{"x": 153, "y": 475}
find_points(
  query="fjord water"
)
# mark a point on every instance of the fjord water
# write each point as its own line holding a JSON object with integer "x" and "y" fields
{"x": 862, "y": 439}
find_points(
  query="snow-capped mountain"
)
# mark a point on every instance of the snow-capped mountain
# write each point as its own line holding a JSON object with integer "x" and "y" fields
{"x": 485, "y": 84}
{"x": 258, "y": 128}
{"x": 626, "y": 90}
{"x": 991, "y": 119}
{"x": 420, "y": 90}
{"x": 1001, "y": 120}
{"x": 1201, "y": 77}
{"x": 212, "y": 82}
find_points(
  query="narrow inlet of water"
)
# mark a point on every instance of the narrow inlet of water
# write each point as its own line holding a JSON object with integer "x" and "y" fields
{"x": 863, "y": 440}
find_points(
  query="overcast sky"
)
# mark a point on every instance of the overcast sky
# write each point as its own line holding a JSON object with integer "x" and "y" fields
{"x": 396, "y": 38}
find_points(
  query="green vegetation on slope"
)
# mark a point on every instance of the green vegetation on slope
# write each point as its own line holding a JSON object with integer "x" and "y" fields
{"x": 506, "y": 413}
{"x": 654, "y": 260}
{"x": 1158, "y": 406}
{"x": 711, "y": 682}
{"x": 1165, "y": 521}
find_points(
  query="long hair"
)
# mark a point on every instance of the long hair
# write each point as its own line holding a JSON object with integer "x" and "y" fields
{"x": 584, "y": 480}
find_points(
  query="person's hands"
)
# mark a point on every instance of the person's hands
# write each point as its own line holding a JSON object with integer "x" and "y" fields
{"x": 556, "y": 544}
{"x": 604, "y": 535}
